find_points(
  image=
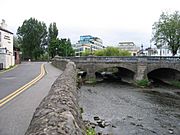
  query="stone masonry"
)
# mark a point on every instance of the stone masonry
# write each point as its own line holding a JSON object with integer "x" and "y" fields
{"x": 59, "y": 113}
{"x": 139, "y": 66}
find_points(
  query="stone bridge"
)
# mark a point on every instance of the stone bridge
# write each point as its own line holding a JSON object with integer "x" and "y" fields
{"x": 136, "y": 68}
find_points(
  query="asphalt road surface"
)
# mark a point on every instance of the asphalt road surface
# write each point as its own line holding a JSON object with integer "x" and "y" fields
{"x": 15, "y": 116}
{"x": 16, "y": 78}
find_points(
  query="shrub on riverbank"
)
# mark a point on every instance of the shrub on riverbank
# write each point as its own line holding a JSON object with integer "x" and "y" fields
{"x": 90, "y": 131}
{"x": 91, "y": 81}
{"x": 143, "y": 83}
{"x": 176, "y": 83}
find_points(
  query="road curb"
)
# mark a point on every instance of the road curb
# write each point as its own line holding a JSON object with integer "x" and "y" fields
{"x": 23, "y": 88}
{"x": 4, "y": 71}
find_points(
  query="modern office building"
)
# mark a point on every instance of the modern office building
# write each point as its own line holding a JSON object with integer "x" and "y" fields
{"x": 129, "y": 46}
{"x": 87, "y": 42}
{"x": 6, "y": 46}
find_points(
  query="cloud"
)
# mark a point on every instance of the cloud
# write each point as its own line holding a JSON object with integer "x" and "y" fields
{"x": 111, "y": 20}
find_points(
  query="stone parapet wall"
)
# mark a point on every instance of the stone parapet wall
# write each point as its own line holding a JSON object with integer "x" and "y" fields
{"x": 59, "y": 113}
{"x": 59, "y": 62}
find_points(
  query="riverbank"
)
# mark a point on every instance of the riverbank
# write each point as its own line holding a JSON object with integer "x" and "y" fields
{"x": 128, "y": 110}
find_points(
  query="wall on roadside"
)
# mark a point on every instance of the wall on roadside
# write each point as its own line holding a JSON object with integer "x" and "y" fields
{"x": 59, "y": 113}
{"x": 60, "y": 63}
{"x": 7, "y": 60}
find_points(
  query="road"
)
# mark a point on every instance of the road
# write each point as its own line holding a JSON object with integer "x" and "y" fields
{"x": 15, "y": 116}
{"x": 14, "y": 79}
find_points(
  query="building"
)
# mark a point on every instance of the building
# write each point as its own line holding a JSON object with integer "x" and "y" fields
{"x": 6, "y": 46}
{"x": 17, "y": 55}
{"x": 87, "y": 42}
{"x": 163, "y": 51}
{"x": 129, "y": 46}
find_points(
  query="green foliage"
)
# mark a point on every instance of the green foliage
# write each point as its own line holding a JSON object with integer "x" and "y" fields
{"x": 112, "y": 51}
{"x": 167, "y": 31}
{"x": 176, "y": 83}
{"x": 10, "y": 67}
{"x": 90, "y": 131}
{"x": 86, "y": 53}
{"x": 16, "y": 42}
{"x": 31, "y": 36}
{"x": 53, "y": 40}
{"x": 61, "y": 47}
{"x": 65, "y": 48}
{"x": 91, "y": 81}
{"x": 53, "y": 31}
{"x": 143, "y": 83}
{"x": 44, "y": 57}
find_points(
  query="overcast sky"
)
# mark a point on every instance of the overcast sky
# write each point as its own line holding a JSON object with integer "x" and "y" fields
{"x": 111, "y": 20}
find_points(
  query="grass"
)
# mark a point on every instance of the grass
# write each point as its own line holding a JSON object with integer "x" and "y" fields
{"x": 143, "y": 83}
{"x": 10, "y": 67}
{"x": 7, "y": 69}
{"x": 90, "y": 131}
{"x": 176, "y": 83}
{"x": 91, "y": 81}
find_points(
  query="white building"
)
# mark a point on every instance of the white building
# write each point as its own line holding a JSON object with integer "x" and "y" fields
{"x": 87, "y": 42}
{"x": 163, "y": 51}
{"x": 129, "y": 46}
{"x": 6, "y": 46}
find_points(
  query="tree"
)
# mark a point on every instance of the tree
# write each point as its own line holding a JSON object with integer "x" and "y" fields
{"x": 31, "y": 35}
{"x": 87, "y": 53}
{"x": 65, "y": 48}
{"x": 112, "y": 51}
{"x": 167, "y": 31}
{"x": 16, "y": 43}
{"x": 53, "y": 41}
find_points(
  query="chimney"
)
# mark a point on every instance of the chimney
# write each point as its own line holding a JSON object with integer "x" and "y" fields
{"x": 3, "y": 24}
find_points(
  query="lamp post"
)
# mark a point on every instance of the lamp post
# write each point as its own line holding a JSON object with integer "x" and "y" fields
{"x": 91, "y": 46}
{"x": 66, "y": 50}
{"x": 56, "y": 50}
{"x": 142, "y": 53}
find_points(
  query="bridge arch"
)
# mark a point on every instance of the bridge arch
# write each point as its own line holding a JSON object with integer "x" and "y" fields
{"x": 154, "y": 66}
{"x": 122, "y": 73}
{"x": 129, "y": 66}
{"x": 164, "y": 74}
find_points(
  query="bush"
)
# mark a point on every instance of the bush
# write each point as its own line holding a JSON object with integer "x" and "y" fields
{"x": 90, "y": 131}
{"x": 87, "y": 53}
{"x": 175, "y": 83}
{"x": 143, "y": 83}
{"x": 112, "y": 51}
{"x": 91, "y": 81}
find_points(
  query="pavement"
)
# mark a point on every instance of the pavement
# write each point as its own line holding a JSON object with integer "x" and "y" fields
{"x": 15, "y": 116}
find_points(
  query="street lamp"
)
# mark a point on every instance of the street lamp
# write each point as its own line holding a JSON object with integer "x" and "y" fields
{"x": 91, "y": 46}
{"x": 141, "y": 53}
{"x": 56, "y": 50}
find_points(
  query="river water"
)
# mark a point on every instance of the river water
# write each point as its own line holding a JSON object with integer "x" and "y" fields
{"x": 127, "y": 110}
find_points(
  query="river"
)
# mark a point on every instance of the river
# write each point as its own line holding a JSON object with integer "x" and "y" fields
{"x": 116, "y": 108}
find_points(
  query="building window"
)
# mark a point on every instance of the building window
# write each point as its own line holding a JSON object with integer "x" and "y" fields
{"x": 81, "y": 49}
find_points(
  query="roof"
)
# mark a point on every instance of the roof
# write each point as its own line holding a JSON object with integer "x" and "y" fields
{"x": 5, "y": 30}
{"x": 126, "y": 42}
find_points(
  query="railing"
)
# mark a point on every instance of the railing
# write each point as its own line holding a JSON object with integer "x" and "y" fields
{"x": 124, "y": 59}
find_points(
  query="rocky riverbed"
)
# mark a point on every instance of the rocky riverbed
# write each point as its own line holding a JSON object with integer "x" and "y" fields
{"x": 115, "y": 108}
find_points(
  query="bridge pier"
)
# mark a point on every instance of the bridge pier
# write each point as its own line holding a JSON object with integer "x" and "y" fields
{"x": 140, "y": 66}
{"x": 141, "y": 72}
{"x": 91, "y": 72}
{"x": 90, "y": 76}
